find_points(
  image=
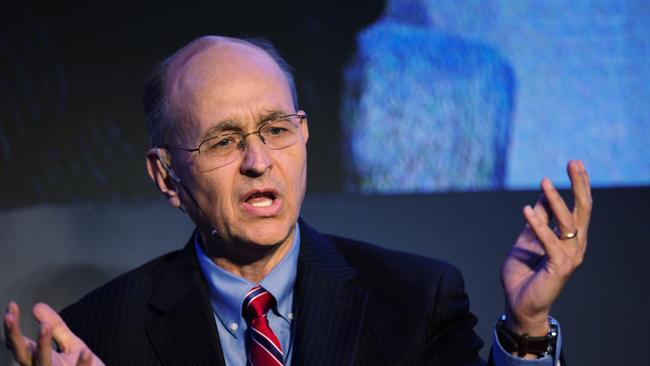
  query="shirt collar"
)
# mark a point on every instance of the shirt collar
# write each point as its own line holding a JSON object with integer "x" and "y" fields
{"x": 227, "y": 291}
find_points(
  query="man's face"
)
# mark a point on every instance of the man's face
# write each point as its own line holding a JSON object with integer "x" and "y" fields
{"x": 256, "y": 199}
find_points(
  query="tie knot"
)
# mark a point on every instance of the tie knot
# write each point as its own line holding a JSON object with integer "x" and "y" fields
{"x": 257, "y": 303}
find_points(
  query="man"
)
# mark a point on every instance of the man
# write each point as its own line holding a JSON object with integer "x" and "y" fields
{"x": 257, "y": 285}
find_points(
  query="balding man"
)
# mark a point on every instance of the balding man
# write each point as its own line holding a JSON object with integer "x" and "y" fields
{"x": 255, "y": 284}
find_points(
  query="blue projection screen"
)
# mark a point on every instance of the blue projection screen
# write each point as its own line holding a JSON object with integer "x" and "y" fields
{"x": 483, "y": 95}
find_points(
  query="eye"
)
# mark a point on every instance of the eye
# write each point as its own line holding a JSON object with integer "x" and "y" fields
{"x": 276, "y": 130}
{"x": 221, "y": 142}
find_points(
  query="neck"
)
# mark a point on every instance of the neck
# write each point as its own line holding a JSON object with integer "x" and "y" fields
{"x": 250, "y": 261}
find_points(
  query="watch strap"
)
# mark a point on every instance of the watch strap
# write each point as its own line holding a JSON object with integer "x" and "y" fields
{"x": 523, "y": 344}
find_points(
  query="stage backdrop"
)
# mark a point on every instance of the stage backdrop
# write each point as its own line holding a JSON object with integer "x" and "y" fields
{"x": 403, "y": 96}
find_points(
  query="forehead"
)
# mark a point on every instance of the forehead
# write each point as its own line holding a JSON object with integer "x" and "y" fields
{"x": 224, "y": 79}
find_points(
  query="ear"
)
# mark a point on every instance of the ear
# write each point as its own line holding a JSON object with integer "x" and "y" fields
{"x": 304, "y": 128}
{"x": 160, "y": 175}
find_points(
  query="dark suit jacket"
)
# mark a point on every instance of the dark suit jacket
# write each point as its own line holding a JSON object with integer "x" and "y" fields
{"x": 355, "y": 304}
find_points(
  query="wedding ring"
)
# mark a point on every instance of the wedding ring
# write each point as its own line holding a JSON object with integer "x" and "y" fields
{"x": 564, "y": 236}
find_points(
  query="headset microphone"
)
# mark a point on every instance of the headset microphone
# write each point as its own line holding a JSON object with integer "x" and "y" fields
{"x": 169, "y": 169}
{"x": 173, "y": 175}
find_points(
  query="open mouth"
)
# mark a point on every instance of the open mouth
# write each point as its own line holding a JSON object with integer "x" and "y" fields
{"x": 261, "y": 199}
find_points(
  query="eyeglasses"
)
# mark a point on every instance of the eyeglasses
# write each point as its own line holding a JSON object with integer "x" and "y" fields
{"x": 277, "y": 133}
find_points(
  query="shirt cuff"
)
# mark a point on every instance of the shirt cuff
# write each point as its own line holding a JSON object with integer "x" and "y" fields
{"x": 502, "y": 358}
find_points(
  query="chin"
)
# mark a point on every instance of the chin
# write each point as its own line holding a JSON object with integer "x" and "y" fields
{"x": 268, "y": 233}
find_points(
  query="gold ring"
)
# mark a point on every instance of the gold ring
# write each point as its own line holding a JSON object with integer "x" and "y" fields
{"x": 564, "y": 236}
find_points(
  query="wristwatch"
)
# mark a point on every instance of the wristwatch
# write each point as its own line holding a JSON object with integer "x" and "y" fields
{"x": 523, "y": 344}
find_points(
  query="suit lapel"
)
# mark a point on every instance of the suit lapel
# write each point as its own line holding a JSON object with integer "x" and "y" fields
{"x": 329, "y": 309}
{"x": 329, "y": 306}
{"x": 183, "y": 330}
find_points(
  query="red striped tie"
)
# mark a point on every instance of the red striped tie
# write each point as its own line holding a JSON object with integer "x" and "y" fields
{"x": 264, "y": 347}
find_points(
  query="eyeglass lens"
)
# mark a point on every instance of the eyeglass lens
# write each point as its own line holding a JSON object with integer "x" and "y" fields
{"x": 227, "y": 147}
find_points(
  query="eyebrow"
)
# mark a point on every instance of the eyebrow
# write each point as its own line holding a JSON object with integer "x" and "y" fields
{"x": 230, "y": 124}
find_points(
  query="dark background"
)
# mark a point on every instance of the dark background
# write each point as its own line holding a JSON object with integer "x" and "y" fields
{"x": 77, "y": 208}
{"x": 71, "y": 82}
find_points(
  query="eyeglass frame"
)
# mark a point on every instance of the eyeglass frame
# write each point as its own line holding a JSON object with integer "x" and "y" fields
{"x": 258, "y": 132}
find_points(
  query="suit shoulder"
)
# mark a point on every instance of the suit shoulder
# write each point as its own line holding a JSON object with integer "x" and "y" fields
{"x": 130, "y": 287}
{"x": 356, "y": 250}
{"x": 148, "y": 271}
{"x": 392, "y": 266}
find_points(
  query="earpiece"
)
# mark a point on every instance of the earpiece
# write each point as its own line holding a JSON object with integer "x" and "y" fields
{"x": 173, "y": 175}
{"x": 169, "y": 169}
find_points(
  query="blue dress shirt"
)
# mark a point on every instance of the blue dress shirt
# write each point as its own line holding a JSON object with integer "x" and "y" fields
{"x": 227, "y": 292}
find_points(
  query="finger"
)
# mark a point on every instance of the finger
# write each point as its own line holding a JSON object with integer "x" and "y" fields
{"x": 85, "y": 358}
{"x": 63, "y": 336}
{"x": 581, "y": 191}
{"x": 558, "y": 207}
{"x": 545, "y": 235}
{"x": 528, "y": 242}
{"x": 543, "y": 210}
{"x": 44, "y": 346}
{"x": 16, "y": 342}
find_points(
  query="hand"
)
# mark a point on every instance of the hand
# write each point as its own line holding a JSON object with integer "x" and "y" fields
{"x": 27, "y": 352}
{"x": 541, "y": 261}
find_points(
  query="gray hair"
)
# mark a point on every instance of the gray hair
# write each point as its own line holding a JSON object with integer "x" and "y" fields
{"x": 160, "y": 119}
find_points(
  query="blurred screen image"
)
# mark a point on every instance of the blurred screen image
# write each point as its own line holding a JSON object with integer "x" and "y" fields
{"x": 402, "y": 96}
{"x": 484, "y": 95}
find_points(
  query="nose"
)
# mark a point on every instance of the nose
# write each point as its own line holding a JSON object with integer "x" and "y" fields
{"x": 256, "y": 161}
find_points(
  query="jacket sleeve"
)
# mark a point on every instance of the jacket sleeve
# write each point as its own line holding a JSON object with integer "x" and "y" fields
{"x": 451, "y": 339}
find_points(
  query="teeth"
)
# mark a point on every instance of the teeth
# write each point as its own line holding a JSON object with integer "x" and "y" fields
{"x": 262, "y": 203}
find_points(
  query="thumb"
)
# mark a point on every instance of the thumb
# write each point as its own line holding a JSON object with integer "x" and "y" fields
{"x": 63, "y": 336}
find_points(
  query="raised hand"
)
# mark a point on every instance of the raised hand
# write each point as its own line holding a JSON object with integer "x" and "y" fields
{"x": 543, "y": 258}
{"x": 28, "y": 352}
